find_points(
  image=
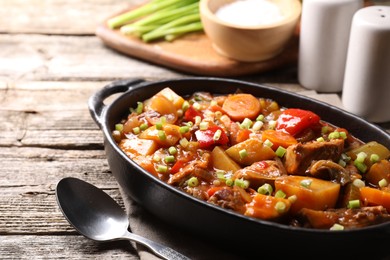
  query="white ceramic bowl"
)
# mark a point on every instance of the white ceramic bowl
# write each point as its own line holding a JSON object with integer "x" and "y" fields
{"x": 254, "y": 42}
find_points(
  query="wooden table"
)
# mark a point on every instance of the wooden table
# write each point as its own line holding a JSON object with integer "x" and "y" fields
{"x": 50, "y": 63}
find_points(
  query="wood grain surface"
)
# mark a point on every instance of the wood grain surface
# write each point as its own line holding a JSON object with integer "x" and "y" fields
{"x": 50, "y": 63}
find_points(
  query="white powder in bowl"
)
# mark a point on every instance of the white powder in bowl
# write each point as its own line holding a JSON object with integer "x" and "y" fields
{"x": 249, "y": 12}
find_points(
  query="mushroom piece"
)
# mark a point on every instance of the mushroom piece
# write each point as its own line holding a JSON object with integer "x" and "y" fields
{"x": 329, "y": 170}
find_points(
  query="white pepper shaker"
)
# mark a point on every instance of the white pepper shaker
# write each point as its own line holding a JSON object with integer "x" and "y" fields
{"x": 325, "y": 28}
{"x": 366, "y": 90}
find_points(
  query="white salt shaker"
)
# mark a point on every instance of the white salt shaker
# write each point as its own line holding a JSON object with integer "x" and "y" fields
{"x": 325, "y": 28}
{"x": 366, "y": 90}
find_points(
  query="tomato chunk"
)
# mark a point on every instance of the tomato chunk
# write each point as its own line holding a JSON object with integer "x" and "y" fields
{"x": 294, "y": 120}
{"x": 206, "y": 137}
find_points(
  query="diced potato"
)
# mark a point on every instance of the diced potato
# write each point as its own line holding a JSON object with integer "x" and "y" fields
{"x": 135, "y": 147}
{"x": 172, "y": 96}
{"x": 222, "y": 161}
{"x": 172, "y": 135}
{"x": 255, "y": 151}
{"x": 317, "y": 194}
{"x": 370, "y": 148}
{"x": 160, "y": 104}
{"x": 265, "y": 207}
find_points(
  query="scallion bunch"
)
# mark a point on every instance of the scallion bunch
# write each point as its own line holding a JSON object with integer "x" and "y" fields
{"x": 159, "y": 19}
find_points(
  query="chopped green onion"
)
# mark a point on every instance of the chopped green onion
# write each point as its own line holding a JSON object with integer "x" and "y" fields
{"x": 204, "y": 125}
{"x": 221, "y": 175}
{"x": 198, "y": 119}
{"x": 337, "y": 227}
{"x": 345, "y": 157}
{"x": 325, "y": 129}
{"x": 136, "y": 130}
{"x": 169, "y": 159}
{"x": 241, "y": 183}
{"x": 119, "y": 127}
{"x": 342, "y": 163}
{"x": 140, "y": 108}
{"x": 360, "y": 166}
{"x": 217, "y": 135}
{"x": 159, "y": 126}
{"x": 320, "y": 139}
{"x": 229, "y": 182}
{"x": 343, "y": 135}
{"x": 268, "y": 143}
{"x": 260, "y": 117}
{"x": 374, "y": 158}
{"x": 360, "y": 157}
{"x": 172, "y": 150}
{"x": 246, "y": 124}
{"x": 193, "y": 182}
{"x": 280, "y": 152}
{"x": 265, "y": 189}
{"x": 280, "y": 207}
{"x": 257, "y": 125}
{"x": 184, "y": 129}
{"x": 306, "y": 183}
{"x": 243, "y": 153}
{"x": 161, "y": 135}
{"x": 184, "y": 142}
{"x": 143, "y": 126}
{"x": 163, "y": 120}
{"x": 272, "y": 124}
{"x": 383, "y": 183}
{"x": 334, "y": 135}
{"x": 353, "y": 204}
{"x": 358, "y": 183}
{"x": 162, "y": 168}
{"x": 280, "y": 194}
{"x": 185, "y": 105}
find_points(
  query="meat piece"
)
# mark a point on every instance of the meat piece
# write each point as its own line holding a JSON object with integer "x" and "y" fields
{"x": 228, "y": 198}
{"x": 300, "y": 156}
{"x": 261, "y": 172}
{"x": 329, "y": 170}
{"x": 348, "y": 218}
{"x": 197, "y": 168}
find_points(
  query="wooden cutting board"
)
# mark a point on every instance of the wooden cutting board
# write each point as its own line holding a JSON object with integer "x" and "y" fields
{"x": 193, "y": 53}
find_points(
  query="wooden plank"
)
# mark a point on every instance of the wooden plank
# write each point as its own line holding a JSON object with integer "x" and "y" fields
{"x": 57, "y": 16}
{"x": 194, "y": 54}
{"x": 65, "y": 58}
{"x": 63, "y": 247}
{"x": 86, "y": 58}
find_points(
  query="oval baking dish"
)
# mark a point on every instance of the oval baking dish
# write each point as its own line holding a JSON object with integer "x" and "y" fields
{"x": 218, "y": 225}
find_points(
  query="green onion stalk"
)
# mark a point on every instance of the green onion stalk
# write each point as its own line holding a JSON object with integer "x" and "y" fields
{"x": 159, "y": 19}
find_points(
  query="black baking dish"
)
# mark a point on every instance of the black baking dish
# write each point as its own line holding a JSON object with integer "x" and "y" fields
{"x": 255, "y": 236}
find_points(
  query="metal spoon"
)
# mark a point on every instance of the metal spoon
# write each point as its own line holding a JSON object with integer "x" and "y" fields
{"x": 94, "y": 214}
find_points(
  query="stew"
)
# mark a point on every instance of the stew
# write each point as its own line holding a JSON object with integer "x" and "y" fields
{"x": 250, "y": 155}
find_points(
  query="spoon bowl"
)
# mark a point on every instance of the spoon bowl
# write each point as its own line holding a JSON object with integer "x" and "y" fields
{"x": 95, "y": 215}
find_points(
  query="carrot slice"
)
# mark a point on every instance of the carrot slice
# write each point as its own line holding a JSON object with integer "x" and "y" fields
{"x": 241, "y": 106}
{"x": 372, "y": 196}
{"x": 278, "y": 138}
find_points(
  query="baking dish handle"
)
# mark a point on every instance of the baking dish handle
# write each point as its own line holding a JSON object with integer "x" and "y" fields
{"x": 96, "y": 101}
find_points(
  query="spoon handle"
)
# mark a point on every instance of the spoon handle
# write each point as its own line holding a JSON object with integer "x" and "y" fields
{"x": 160, "y": 250}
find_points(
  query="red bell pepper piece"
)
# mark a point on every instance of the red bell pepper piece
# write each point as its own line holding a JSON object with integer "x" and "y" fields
{"x": 178, "y": 165}
{"x": 191, "y": 113}
{"x": 294, "y": 120}
{"x": 206, "y": 137}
